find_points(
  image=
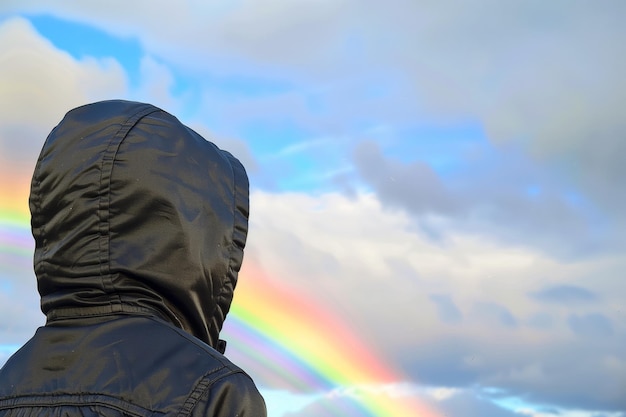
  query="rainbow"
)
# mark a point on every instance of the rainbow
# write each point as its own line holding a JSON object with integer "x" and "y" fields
{"x": 16, "y": 242}
{"x": 298, "y": 344}
{"x": 285, "y": 340}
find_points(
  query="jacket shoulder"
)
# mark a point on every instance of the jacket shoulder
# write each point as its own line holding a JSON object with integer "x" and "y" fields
{"x": 142, "y": 362}
{"x": 235, "y": 395}
{"x": 225, "y": 390}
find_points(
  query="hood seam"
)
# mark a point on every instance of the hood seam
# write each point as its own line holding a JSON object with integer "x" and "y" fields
{"x": 106, "y": 170}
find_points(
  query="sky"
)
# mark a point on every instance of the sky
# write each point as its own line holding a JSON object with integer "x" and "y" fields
{"x": 436, "y": 187}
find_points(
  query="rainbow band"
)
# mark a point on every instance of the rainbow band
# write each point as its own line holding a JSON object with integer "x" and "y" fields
{"x": 303, "y": 346}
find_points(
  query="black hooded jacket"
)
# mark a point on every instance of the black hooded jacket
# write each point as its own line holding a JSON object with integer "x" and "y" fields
{"x": 140, "y": 226}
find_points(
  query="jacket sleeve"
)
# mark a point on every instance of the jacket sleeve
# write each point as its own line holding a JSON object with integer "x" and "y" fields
{"x": 234, "y": 395}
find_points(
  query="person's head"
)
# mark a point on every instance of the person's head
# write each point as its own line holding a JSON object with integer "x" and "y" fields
{"x": 133, "y": 212}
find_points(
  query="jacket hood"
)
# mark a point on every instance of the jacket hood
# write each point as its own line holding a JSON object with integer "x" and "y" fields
{"x": 133, "y": 212}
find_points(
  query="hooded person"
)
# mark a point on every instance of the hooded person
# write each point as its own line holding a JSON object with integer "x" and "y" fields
{"x": 139, "y": 226}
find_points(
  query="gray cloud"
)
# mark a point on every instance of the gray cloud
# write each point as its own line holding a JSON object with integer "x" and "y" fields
{"x": 468, "y": 403}
{"x": 415, "y": 186}
{"x": 565, "y": 294}
{"x": 495, "y": 313}
{"x": 593, "y": 325}
{"x": 542, "y": 320}
{"x": 448, "y": 311}
{"x": 450, "y": 361}
{"x": 487, "y": 196}
{"x": 461, "y": 402}
{"x": 556, "y": 375}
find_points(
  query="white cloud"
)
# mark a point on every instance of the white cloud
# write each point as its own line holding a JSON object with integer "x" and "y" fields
{"x": 442, "y": 393}
{"x": 215, "y": 36}
{"x": 338, "y": 244}
{"x": 38, "y": 85}
{"x": 379, "y": 271}
{"x": 155, "y": 85}
{"x": 39, "y": 82}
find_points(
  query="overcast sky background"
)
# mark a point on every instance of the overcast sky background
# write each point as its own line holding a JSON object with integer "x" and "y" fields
{"x": 446, "y": 176}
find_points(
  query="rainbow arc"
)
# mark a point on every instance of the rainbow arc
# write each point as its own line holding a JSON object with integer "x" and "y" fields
{"x": 296, "y": 343}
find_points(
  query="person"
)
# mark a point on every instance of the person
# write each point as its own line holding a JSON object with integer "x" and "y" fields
{"x": 139, "y": 226}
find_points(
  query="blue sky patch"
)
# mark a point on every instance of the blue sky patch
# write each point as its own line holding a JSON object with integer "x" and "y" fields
{"x": 81, "y": 40}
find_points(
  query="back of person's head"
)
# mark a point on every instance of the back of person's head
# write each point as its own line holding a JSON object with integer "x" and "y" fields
{"x": 133, "y": 212}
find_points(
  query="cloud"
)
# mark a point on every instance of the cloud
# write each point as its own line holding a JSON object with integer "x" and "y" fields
{"x": 156, "y": 85}
{"x": 330, "y": 245}
{"x": 273, "y": 34}
{"x": 415, "y": 186}
{"x": 593, "y": 325}
{"x": 487, "y": 193}
{"x": 496, "y": 314}
{"x": 41, "y": 80}
{"x": 467, "y": 403}
{"x": 541, "y": 320}
{"x": 448, "y": 311}
{"x": 39, "y": 84}
{"x": 565, "y": 294}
